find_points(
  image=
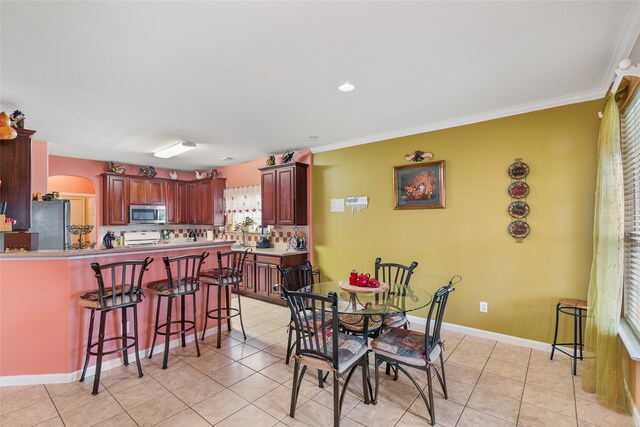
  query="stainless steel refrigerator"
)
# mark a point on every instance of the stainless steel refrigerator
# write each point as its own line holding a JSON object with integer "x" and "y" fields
{"x": 50, "y": 220}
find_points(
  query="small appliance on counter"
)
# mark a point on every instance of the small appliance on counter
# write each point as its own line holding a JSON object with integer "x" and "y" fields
{"x": 142, "y": 238}
{"x": 298, "y": 242}
{"x": 264, "y": 242}
{"x": 191, "y": 236}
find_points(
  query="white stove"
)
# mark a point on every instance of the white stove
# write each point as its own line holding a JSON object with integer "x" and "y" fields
{"x": 142, "y": 238}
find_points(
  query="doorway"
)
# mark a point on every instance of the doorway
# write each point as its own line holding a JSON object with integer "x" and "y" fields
{"x": 82, "y": 194}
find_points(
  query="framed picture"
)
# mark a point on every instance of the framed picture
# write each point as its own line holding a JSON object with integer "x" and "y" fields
{"x": 419, "y": 186}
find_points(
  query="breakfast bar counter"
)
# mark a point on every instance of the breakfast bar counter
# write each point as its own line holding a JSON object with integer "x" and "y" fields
{"x": 43, "y": 329}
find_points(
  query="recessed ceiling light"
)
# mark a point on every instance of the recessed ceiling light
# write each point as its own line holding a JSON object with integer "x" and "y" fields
{"x": 226, "y": 158}
{"x": 346, "y": 87}
{"x": 174, "y": 150}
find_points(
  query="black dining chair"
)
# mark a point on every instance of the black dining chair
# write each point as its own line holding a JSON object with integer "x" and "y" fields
{"x": 119, "y": 287}
{"x": 324, "y": 349}
{"x": 419, "y": 350}
{"x": 183, "y": 278}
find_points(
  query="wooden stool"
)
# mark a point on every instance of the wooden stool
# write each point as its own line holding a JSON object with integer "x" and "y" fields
{"x": 578, "y": 310}
{"x": 119, "y": 287}
{"x": 182, "y": 281}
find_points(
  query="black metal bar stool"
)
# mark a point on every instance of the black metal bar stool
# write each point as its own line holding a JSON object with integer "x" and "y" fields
{"x": 119, "y": 287}
{"x": 183, "y": 278}
{"x": 227, "y": 274}
{"x": 578, "y": 310}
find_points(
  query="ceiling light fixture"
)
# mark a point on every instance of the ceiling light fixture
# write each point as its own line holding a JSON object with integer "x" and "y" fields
{"x": 226, "y": 158}
{"x": 174, "y": 150}
{"x": 6, "y": 131}
{"x": 346, "y": 87}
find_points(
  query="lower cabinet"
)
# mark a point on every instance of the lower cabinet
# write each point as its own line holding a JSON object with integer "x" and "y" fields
{"x": 261, "y": 274}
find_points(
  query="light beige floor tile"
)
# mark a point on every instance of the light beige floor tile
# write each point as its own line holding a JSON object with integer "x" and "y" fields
{"x": 311, "y": 414}
{"x": 249, "y": 415}
{"x": 179, "y": 377}
{"x": 479, "y": 340}
{"x": 467, "y": 359}
{"x": 496, "y": 405}
{"x": 501, "y": 385}
{"x": 593, "y": 412}
{"x": 153, "y": 366}
{"x": 11, "y": 389}
{"x": 474, "y": 348}
{"x": 412, "y": 420}
{"x": 218, "y": 407}
{"x": 260, "y": 361}
{"x": 198, "y": 390}
{"x": 505, "y": 369}
{"x": 551, "y": 400}
{"x": 157, "y": 410}
{"x": 447, "y": 412}
{"x": 560, "y": 382}
{"x": 23, "y": 398}
{"x": 580, "y": 392}
{"x": 137, "y": 395}
{"x": 232, "y": 374}
{"x": 531, "y": 415}
{"x": 397, "y": 393}
{"x": 211, "y": 363}
{"x": 239, "y": 351}
{"x": 457, "y": 391}
{"x": 254, "y": 387}
{"x": 462, "y": 373}
{"x": 472, "y": 418}
{"x": 279, "y": 372}
{"x": 186, "y": 418}
{"x": 277, "y": 402}
{"x": 78, "y": 394}
{"x": 76, "y": 387}
{"x": 348, "y": 422}
{"x": 279, "y": 350}
{"x": 351, "y": 399}
{"x": 92, "y": 413}
{"x": 30, "y": 415}
{"x": 52, "y": 422}
{"x": 515, "y": 354}
{"x": 120, "y": 420}
{"x": 586, "y": 424}
{"x": 121, "y": 378}
{"x": 381, "y": 414}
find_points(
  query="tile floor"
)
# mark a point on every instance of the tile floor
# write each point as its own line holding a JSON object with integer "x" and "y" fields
{"x": 247, "y": 383}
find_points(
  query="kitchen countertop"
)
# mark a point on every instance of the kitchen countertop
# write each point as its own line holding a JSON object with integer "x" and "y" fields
{"x": 281, "y": 252}
{"x": 89, "y": 253}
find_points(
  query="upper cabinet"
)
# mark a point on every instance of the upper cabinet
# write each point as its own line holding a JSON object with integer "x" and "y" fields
{"x": 284, "y": 194}
{"x": 116, "y": 199}
{"x": 145, "y": 191}
{"x": 15, "y": 174}
{"x": 206, "y": 201}
{"x": 176, "y": 202}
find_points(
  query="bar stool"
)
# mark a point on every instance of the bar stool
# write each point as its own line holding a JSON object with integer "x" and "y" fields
{"x": 119, "y": 287}
{"x": 227, "y": 274}
{"x": 184, "y": 282}
{"x": 578, "y": 310}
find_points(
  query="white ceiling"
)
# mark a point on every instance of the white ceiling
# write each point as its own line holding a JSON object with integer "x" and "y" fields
{"x": 119, "y": 80}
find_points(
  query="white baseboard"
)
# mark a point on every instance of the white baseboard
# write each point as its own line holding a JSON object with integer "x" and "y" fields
{"x": 509, "y": 339}
{"x": 75, "y": 376}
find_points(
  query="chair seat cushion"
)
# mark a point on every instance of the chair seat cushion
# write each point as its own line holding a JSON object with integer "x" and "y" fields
{"x": 353, "y": 322}
{"x": 162, "y": 287}
{"x": 308, "y": 314}
{"x": 91, "y": 299}
{"x": 212, "y": 277}
{"x": 405, "y": 346}
{"x": 351, "y": 349}
{"x": 395, "y": 320}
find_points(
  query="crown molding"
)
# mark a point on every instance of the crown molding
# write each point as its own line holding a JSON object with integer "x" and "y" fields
{"x": 469, "y": 119}
{"x": 626, "y": 41}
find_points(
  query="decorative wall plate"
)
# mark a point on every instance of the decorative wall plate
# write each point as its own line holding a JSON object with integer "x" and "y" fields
{"x": 518, "y": 189}
{"x": 518, "y": 170}
{"x": 519, "y": 229}
{"x": 518, "y": 209}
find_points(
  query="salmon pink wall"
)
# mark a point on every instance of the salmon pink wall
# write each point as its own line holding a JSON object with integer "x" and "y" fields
{"x": 39, "y": 165}
{"x": 70, "y": 184}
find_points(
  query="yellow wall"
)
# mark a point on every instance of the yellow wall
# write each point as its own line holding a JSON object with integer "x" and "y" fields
{"x": 521, "y": 282}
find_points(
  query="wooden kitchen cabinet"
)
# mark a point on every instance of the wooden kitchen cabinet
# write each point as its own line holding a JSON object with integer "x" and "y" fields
{"x": 261, "y": 274}
{"x": 284, "y": 194}
{"x": 146, "y": 191}
{"x": 116, "y": 199}
{"x": 176, "y": 202}
{"x": 194, "y": 198}
{"x": 206, "y": 201}
{"x": 15, "y": 174}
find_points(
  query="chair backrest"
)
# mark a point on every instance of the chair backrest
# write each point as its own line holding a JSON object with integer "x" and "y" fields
{"x": 436, "y": 314}
{"x": 231, "y": 267}
{"x": 394, "y": 273}
{"x": 296, "y": 277}
{"x": 183, "y": 272}
{"x": 312, "y": 315}
{"x": 120, "y": 283}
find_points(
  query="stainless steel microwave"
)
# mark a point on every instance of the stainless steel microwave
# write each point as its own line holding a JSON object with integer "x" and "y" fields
{"x": 147, "y": 214}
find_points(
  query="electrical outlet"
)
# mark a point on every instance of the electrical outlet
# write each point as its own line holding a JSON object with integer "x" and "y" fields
{"x": 484, "y": 307}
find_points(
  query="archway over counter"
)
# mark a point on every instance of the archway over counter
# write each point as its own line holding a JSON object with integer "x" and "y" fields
{"x": 82, "y": 193}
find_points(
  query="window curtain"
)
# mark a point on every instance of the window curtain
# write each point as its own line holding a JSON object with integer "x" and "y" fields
{"x": 242, "y": 201}
{"x": 602, "y": 369}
